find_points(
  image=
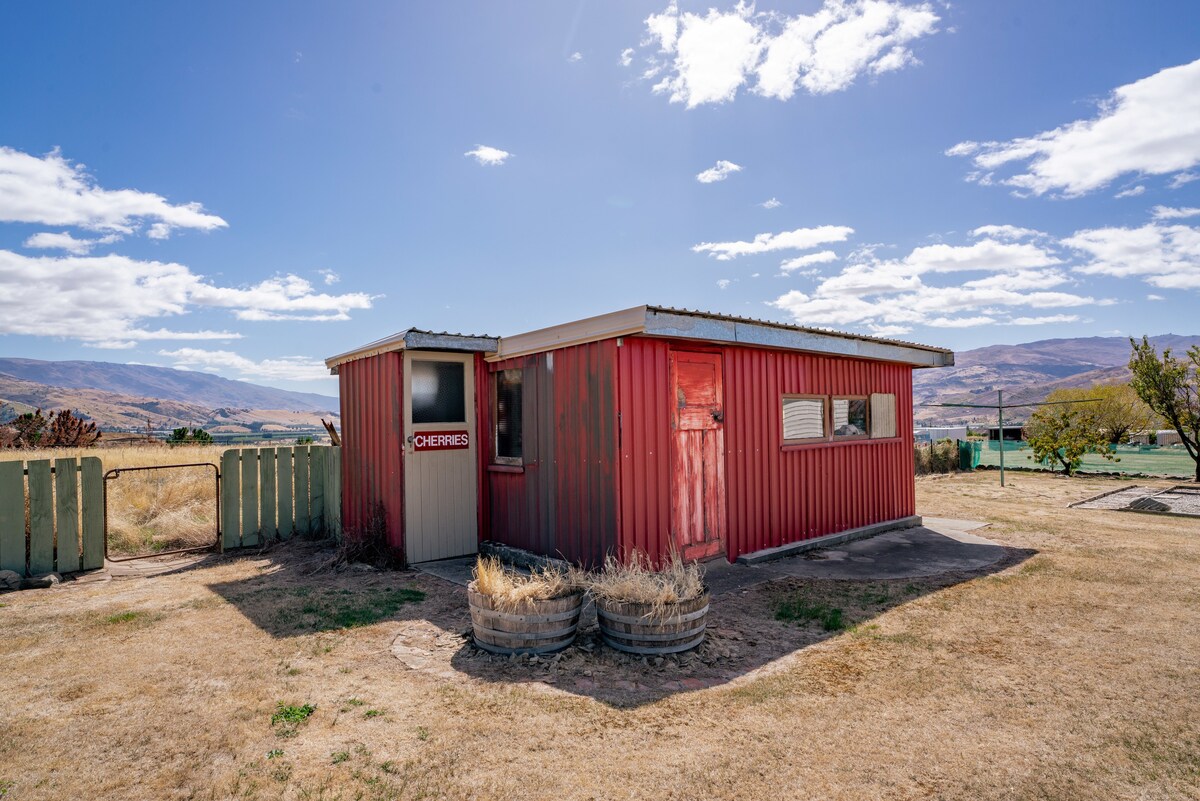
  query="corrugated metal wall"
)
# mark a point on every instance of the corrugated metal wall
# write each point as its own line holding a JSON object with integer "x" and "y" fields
{"x": 372, "y": 393}
{"x": 775, "y": 495}
{"x": 564, "y": 503}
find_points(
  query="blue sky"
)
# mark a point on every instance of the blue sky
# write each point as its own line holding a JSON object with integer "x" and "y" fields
{"x": 249, "y": 188}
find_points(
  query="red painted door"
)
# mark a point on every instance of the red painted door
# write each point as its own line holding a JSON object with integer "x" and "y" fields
{"x": 697, "y": 455}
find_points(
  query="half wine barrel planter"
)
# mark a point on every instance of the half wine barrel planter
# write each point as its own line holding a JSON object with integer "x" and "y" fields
{"x": 631, "y": 627}
{"x": 536, "y": 627}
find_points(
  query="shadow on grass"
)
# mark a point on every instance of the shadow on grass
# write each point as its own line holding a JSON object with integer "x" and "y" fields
{"x": 292, "y": 597}
{"x": 749, "y": 626}
{"x": 758, "y": 616}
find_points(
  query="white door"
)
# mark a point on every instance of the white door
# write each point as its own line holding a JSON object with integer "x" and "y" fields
{"x": 440, "y": 493}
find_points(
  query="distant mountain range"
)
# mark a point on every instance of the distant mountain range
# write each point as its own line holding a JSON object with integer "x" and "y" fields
{"x": 164, "y": 383}
{"x": 128, "y": 396}
{"x": 1027, "y": 373}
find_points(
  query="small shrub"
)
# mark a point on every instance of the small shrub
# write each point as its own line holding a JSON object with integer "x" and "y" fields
{"x": 637, "y": 581}
{"x": 510, "y": 590}
{"x": 373, "y": 713}
{"x": 287, "y": 718}
{"x": 800, "y": 610}
{"x": 422, "y": 733}
{"x": 275, "y": 753}
{"x": 122, "y": 617}
{"x": 337, "y": 757}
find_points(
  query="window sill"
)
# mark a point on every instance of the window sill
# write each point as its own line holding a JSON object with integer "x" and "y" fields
{"x": 505, "y": 468}
{"x": 835, "y": 443}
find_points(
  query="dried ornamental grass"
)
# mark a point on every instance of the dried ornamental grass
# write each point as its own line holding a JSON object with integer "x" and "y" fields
{"x": 637, "y": 581}
{"x": 510, "y": 590}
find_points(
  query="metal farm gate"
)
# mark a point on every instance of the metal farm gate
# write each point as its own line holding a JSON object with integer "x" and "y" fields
{"x": 55, "y": 515}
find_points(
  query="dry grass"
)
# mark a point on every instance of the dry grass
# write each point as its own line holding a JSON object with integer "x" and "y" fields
{"x": 1069, "y": 676}
{"x": 511, "y": 591}
{"x": 152, "y": 510}
{"x": 637, "y": 581}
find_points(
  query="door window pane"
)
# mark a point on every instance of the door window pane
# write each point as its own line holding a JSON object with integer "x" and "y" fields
{"x": 803, "y": 418}
{"x": 438, "y": 394}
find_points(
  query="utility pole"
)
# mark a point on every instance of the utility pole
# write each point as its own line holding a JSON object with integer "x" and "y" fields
{"x": 1000, "y": 408}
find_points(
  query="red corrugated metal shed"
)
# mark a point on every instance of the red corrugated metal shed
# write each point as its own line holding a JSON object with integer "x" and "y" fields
{"x": 776, "y": 494}
{"x": 372, "y": 390}
{"x": 600, "y": 467}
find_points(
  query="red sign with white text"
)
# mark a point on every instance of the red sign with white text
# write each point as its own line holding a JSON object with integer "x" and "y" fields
{"x": 441, "y": 441}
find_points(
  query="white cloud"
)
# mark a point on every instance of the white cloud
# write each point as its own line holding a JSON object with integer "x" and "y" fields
{"x": 888, "y": 296}
{"x": 285, "y": 368}
{"x": 799, "y": 239}
{"x": 106, "y": 300}
{"x": 771, "y": 203}
{"x": 1155, "y": 297}
{"x": 1168, "y": 213}
{"x": 66, "y": 241}
{"x": 626, "y": 57}
{"x": 801, "y": 262}
{"x": 52, "y": 191}
{"x": 489, "y": 156}
{"x": 575, "y": 57}
{"x": 1133, "y": 191}
{"x": 1148, "y": 127}
{"x": 709, "y": 58}
{"x": 718, "y": 172}
{"x": 1164, "y": 256}
{"x": 1182, "y": 179}
{"x": 1006, "y": 232}
{"x": 329, "y": 277}
{"x": 723, "y": 283}
{"x": 1045, "y": 320}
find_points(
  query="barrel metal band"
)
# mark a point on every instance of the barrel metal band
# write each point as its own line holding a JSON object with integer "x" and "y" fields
{"x": 644, "y": 620}
{"x": 670, "y": 649}
{"x": 516, "y": 618}
{"x": 663, "y": 637}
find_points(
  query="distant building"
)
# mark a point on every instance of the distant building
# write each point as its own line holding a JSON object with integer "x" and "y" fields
{"x": 1013, "y": 432}
{"x": 932, "y": 434}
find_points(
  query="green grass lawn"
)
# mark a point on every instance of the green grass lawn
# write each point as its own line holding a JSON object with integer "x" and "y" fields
{"x": 1165, "y": 461}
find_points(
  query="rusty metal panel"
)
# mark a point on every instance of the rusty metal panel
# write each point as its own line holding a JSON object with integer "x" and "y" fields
{"x": 371, "y": 391}
{"x": 775, "y": 495}
{"x": 564, "y": 501}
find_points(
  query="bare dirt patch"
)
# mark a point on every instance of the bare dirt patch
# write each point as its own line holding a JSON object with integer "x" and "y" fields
{"x": 1070, "y": 674}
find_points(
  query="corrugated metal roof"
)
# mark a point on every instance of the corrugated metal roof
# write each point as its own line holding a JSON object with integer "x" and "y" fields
{"x": 417, "y": 338}
{"x": 792, "y": 327}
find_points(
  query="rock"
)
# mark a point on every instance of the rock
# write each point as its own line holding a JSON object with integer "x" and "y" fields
{"x": 9, "y": 580}
{"x": 40, "y": 582}
{"x": 363, "y": 566}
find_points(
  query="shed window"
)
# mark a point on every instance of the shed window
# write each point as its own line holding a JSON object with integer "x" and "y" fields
{"x": 438, "y": 394}
{"x": 849, "y": 417}
{"x": 883, "y": 416}
{"x": 803, "y": 418}
{"x": 506, "y": 408}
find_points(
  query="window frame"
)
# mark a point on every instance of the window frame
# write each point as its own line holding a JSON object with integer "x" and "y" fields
{"x": 826, "y": 411}
{"x": 497, "y": 459}
{"x": 833, "y": 435}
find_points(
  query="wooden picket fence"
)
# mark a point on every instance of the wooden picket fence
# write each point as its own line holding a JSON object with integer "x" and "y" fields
{"x": 280, "y": 492}
{"x": 64, "y": 529}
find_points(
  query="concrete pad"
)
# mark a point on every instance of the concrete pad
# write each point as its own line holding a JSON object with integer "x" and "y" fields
{"x": 457, "y": 570}
{"x": 910, "y": 553}
{"x": 948, "y": 523}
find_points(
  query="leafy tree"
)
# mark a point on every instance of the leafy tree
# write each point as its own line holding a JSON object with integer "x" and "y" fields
{"x": 1171, "y": 387}
{"x": 1064, "y": 432}
{"x": 62, "y": 429}
{"x": 1118, "y": 410}
{"x": 186, "y": 436}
